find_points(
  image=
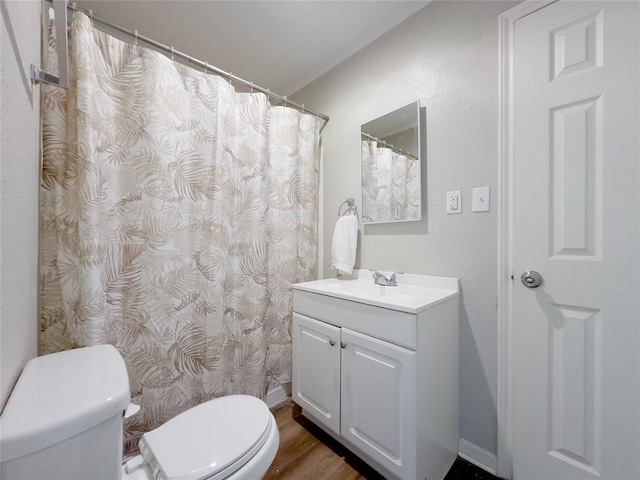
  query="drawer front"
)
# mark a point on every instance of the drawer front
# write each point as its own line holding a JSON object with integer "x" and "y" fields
{"x": 390, "y": 325}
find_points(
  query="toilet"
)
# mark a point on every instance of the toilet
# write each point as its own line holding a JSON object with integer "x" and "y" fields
{"x": 64, "y": 421}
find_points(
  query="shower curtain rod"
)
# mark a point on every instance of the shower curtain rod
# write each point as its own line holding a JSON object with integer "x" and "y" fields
{"x": 392, "y": 147}
{"x": 175, "y": 53}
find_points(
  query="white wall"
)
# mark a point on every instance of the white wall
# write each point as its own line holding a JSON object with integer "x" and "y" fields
{"x": 19, "y": 187}
{"x": 446, "y": 55}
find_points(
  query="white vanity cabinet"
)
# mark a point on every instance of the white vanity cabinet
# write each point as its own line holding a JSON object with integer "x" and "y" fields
{"x": 357, "y": 386}
{"x": 383, "y": 381}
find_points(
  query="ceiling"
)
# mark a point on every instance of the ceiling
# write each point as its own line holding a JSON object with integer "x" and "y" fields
{"x": 280, "y": 45}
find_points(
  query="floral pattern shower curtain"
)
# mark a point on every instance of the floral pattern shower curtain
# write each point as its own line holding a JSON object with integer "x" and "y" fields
{"x": 175, "y": 215}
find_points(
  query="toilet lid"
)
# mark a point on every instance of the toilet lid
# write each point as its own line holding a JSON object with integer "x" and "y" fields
{"x": 212, "y": 439}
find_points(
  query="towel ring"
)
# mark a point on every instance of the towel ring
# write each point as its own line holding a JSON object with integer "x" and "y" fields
{"x": 351, "y": 208}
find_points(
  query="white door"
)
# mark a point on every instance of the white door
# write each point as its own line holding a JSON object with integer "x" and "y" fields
{"x": 316, "y": 370}
{"x": 379, "y": 400}
{"x": 576, "y": 206}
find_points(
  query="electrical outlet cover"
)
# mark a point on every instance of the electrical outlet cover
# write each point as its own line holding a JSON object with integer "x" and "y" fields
{"x": 454, "y": 202}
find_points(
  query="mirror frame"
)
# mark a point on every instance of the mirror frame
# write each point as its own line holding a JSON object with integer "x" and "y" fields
{"x": 400, "y": 115}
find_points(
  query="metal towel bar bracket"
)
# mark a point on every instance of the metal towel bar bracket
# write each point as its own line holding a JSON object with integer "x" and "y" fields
{"x": 351, "y": 208}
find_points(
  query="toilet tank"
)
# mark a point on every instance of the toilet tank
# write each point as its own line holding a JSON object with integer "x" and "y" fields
{"x": 64, "y": 417}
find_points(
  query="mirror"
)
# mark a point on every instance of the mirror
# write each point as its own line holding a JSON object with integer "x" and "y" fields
{"x": 390, "y": 165}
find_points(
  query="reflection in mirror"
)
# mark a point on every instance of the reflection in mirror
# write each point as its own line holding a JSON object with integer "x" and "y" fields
{"x": 390, "y": 161}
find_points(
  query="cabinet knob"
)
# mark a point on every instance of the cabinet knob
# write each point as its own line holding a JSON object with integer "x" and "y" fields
{"x": 332, "y": 342}
{"x": 343, "y": 344}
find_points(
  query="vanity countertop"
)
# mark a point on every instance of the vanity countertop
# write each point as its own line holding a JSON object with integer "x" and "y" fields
{"x": 413, "y": 294}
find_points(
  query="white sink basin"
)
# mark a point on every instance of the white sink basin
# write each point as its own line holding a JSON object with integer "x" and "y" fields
{"x": 413, "y": 294}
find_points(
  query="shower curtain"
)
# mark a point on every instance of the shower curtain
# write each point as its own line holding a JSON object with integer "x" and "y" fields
{"x": 390, "y": 184}
{"x": 175, "y": 215}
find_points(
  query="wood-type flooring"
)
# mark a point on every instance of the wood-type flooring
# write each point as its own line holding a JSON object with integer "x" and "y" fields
{"x": 308, "y": 453}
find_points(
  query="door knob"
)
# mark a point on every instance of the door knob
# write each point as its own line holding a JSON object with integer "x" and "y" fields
{"x": 332, "y": 342}
{"x": 531, "y": 279}
{"x": 343, "y": 344}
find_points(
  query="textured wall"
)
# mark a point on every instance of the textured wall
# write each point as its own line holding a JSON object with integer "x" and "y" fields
{"x": 446, "y": 55}
{"x": 19, "y": 186}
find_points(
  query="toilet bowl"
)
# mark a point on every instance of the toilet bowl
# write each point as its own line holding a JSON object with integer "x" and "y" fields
{"x": 64, "y": 421}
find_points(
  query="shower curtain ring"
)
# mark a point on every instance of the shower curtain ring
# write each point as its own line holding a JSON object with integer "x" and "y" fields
{"x": 91, "y": 17}
{"x": 135, "y": 34}
{"x": 231, "y": 79}
{"x": 302, "y": 109}
{"x": 172, "y": 55}
{"x": 251, "y": 91}
{"x": 206, "y": 67}
{"x": 74, "y": 7}
{"x": 285, "y": 100}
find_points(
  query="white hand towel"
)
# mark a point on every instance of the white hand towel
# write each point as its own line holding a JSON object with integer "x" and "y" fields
{"x": 345, "y": 243}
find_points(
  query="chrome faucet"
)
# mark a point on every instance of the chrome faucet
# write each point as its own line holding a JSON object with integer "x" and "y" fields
{"x": 380, "y": 279}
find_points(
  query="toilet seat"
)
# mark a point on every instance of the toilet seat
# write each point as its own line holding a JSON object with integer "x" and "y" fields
{"x": 209, "y": 441}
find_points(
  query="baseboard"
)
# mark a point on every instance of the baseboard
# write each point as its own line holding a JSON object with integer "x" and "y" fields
{"x": 478, "y": 456}
{"x": 276, "y": 395}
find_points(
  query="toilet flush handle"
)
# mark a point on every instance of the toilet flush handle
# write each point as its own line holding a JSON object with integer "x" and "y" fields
{"x": 131, "y": 410}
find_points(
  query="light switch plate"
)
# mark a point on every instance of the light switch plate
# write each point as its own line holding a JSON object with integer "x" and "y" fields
{"x": 481, "y": 201}
{"x": 454, "y": 202}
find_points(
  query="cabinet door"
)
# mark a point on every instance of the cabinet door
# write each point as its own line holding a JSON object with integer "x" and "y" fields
{"x": 379, "y": 401}
{"x": 316, "y": 369}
